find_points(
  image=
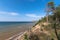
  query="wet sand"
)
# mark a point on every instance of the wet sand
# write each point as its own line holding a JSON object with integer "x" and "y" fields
{"x": 5, "y": 35}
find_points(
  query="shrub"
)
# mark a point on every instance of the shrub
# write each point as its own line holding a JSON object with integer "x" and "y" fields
{"x": 25, "y": 37}
{"x": 33, "y": 37}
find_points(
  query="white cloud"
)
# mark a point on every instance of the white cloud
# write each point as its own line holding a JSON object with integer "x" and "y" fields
{"x": 9, "y": 13}
{"x": 13, "y": 13}
{"x": 3, "y": 12}
{"x": 33, "y": 15}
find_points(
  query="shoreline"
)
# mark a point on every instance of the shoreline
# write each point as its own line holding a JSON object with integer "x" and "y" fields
{"x": 14, "y": 31}
{"x": 17, "y": 36}
{"x": 14, "y": 36}
{"x": 21, "y": 34}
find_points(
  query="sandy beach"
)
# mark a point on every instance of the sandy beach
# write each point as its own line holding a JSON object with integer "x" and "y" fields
{"x": 8, "y": 34}
{"x": 11, "y": 30}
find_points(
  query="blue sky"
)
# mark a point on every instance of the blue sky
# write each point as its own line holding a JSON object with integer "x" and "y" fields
{"x": 23, "y": 10}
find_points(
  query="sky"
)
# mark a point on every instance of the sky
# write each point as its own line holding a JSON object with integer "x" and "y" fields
{"x": 23, "y": 10}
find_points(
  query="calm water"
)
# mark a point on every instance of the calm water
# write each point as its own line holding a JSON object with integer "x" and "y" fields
{"x": 13, "y": 27}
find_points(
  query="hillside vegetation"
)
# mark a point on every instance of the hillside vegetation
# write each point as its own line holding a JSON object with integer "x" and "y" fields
{"x": 44, "y": 30}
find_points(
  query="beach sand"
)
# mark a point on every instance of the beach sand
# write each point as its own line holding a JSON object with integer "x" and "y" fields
{"x": 5, "y": 35}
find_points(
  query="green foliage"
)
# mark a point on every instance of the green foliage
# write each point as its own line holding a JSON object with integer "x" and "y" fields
{"x": 56, "y": 15}
{"x": 58, "y": 12}
{"x": 52, "y": 18}
{"x": 51, "y": 5}
{"x": 25, "y": 37}
{"x": 59, "y": 36}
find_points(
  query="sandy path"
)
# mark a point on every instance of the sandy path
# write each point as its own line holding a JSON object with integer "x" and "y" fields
{"x": 39, "y": 27}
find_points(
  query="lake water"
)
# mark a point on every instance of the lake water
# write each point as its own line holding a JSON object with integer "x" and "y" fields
{"x": 8, "y": 29}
